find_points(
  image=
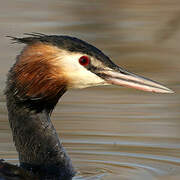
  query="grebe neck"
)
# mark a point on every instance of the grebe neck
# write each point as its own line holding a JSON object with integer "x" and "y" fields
{"x": 35, "y": 137}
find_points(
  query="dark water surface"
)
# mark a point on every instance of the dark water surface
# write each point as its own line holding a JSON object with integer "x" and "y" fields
{"x": 110, "y": 132}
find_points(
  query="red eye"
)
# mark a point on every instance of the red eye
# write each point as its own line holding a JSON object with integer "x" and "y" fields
{"x": 84, "y": 60}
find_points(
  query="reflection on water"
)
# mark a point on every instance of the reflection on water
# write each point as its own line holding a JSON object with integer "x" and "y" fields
{"x": 110, "y": 132}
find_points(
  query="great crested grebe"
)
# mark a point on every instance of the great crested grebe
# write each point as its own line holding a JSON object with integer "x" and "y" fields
{"x": 47, "y": 67}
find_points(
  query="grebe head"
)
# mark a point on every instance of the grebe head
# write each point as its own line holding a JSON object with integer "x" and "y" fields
{"x": 51, "y": 64}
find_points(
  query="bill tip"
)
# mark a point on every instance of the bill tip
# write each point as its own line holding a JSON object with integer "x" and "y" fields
{"x": 168, "y": 91}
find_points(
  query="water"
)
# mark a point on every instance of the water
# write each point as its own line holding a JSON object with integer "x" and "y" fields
{"x": 110, "y": 132}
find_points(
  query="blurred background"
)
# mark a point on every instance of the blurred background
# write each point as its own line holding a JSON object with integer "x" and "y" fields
{"x": 110, "y": 132}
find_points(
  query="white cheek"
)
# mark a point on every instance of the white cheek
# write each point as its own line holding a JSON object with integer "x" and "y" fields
{"x": 77, "y": 75}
